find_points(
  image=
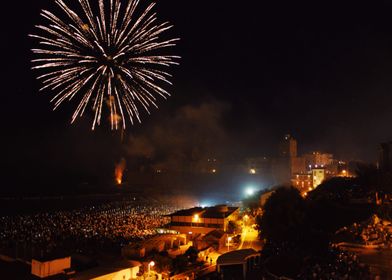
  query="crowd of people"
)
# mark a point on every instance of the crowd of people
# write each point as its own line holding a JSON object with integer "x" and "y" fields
{"x": 107, "y": 226}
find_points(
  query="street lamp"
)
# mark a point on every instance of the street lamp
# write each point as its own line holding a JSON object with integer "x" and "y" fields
{"x": 150, "y": 264}
{"x": 246, "y": 218}
{"x": 249, "y": 191}
{"x": 195, "y": 219}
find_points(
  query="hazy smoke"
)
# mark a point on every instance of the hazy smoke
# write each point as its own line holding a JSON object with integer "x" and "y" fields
{"x": 184, "y": 141}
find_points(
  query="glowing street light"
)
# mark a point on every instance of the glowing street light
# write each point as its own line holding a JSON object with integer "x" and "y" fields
{"x": 249, "y": 191}
{"x": 246, "y": 219}
{"x": 150, "y": 264}
{"x": 228, "y": 243}
{"x": 252, "y": 171}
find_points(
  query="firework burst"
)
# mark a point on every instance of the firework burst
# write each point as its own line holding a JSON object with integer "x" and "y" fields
{"x": 107, "y": 57}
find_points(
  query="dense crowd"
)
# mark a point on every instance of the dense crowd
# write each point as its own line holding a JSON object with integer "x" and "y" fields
{"x": 108, "y": 226}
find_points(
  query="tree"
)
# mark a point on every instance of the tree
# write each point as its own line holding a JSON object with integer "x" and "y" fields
{"x": 330, "y": 208}
{"x": 286, "y": 224}
{"x": 284, "y": 216}
{"x": 232, "y": 227}
{"x": 192, "y": 254}
{"x": 163, "y": 263}
{"x": 180, "y": 263}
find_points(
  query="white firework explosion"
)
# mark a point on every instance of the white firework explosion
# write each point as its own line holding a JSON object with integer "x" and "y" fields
{"x": 108, "y": 55}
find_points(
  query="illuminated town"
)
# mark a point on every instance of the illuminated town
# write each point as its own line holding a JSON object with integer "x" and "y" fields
{"x": 191, "y": 140}
{"x": 137, "y": 235}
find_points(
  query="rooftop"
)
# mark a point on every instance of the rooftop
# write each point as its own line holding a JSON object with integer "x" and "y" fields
{"x": 236, "y": 257}
{"x": 50, "y": 258}
{"x": 106, "y": 269}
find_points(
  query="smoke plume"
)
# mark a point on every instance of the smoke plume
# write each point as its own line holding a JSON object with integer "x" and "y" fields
{"x": 183, "y": 141}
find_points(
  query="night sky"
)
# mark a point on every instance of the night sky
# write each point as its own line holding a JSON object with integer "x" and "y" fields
{"x": 320, "y": 70}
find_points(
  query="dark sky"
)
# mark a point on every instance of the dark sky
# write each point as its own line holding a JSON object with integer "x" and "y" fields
{"x": 321, "y": 70}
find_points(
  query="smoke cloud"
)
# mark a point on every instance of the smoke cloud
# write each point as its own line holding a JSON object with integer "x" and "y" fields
{"x": 183, "y": 141}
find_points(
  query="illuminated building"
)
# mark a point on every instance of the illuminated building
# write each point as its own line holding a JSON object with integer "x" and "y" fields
{"x": 307, "y": 182}
{"x": 45, "y": 268}
{"x": 302, "y": 182}
{"x": 159, "y": 243}
{"x": 216, "y": 238}
{"x": 203, "y": 220}
{"x": 318, "y": 176}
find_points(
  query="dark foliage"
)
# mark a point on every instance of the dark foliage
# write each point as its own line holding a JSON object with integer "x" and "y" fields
{"x": 180, "y": 263}
{"x": 192, "y": 254}
{"x": 287, "y": 224}
{"x": 292, "y": 223}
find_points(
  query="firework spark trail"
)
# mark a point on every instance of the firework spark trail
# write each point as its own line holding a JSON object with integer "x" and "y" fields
{"x": 109, "y": 55}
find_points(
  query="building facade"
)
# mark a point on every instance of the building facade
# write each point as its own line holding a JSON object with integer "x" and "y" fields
{"x": 318, "y": 175}
{"x": 302, "y": 182}
{"x": 203, "y": 220}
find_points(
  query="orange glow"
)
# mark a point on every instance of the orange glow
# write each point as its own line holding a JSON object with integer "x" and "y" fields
{"x": 119, "y": 171}
{"x": 196, "y": 218}
{"x": 345, "y": 173}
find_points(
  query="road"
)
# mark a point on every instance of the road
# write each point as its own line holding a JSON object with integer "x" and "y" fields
{"x": 249, "y": 239}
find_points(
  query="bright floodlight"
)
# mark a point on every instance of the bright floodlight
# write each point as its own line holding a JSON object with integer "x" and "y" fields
{"x": 249, "y": 191}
